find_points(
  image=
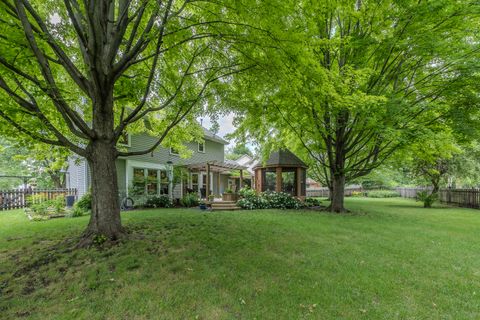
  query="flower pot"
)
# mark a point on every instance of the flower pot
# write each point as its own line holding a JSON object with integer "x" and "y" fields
{"x": 203, "y": 206}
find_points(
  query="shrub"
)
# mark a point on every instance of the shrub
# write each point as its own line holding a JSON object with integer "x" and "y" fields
{"x": 83, "y": 206}
{"x": 357, "y": 194}
{"x": 246, "y": 192}
{"x": 189, "y": 200}
{"x": 267, "y": 200}
{"x": 382, "y": 194}
{"x": 312, "y": 202}
{"x": 162, "y": 201}
{"x": 427, "y": 198}
{"x": 85, "y": 202}
{"x": 281, "y": 200}
{"x": 253, "y": 202}
{"x": 75, "y": 212}
{"x": 40, "y": 209}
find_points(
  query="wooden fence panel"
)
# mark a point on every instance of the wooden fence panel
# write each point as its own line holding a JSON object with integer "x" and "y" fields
{"x": 469, "y": 198}
{"x": 16, "y": 199}
{"x": 325, "y": 193}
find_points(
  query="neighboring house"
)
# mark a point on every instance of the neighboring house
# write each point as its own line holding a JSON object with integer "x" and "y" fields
{"x": 248, "y": 162}
{"x": 153, "y": 172}
{"x": 312, "y": 184}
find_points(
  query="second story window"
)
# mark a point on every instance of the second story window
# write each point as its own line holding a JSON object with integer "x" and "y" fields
{"x": 173, "y": 151}
{"x": 124, "y": 140}
{"x": 201, "y": 147}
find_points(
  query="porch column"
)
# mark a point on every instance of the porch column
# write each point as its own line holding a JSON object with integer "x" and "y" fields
{"x": 278, "y": 183}
{"x": 241, "y": 179}
{"x": 218, "y": 183}
{"x": 207, "y": 192}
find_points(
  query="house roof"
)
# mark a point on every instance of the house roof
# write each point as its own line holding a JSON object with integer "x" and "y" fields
{"x": 283, "y": 158}
{"x": 209, "y": 135}
{"x": 245, "y": 160}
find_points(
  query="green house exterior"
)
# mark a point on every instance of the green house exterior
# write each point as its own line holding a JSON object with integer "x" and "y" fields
{"x": 157, "y": 169}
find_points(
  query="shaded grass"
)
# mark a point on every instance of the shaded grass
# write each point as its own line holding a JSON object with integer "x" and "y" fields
{"x": 395, "y": 261}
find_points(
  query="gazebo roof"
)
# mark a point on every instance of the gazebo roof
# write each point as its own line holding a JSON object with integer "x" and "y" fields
{"x": 283, "y": 158}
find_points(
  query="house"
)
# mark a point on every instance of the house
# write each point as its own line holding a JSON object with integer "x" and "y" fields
{"x": 312, "y": 184}
{"x": 248, "y": 162}
{"x": 153, "y": 173}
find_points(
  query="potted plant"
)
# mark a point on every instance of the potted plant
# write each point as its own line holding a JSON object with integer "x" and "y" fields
{"x": 211, "y": 197}
{"x": 229, "y": 195}
{"x": 202, "y": 205}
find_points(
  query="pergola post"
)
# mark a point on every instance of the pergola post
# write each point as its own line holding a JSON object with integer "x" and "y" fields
{"x": 299, "y": 181}
{"x": 258, "y": 180}
{"x": 278, "y": 183}
{"x": 218, "y": 182}
{"x": 207, "y": 192}
{"x": 241, "y": 178}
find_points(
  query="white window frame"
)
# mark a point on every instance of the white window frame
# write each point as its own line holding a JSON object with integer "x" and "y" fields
{"x": 198, "y": 147}
{"x": 173, "y": 153}
{"x": 159, "y": 179}
{"x": 131, "y": 164}
{"x": 129, "y": 141}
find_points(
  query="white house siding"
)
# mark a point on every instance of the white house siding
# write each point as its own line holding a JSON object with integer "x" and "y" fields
{"x": 214, "y": 151}
{"x": 78, "y": 175}
{"x": 177, "y": 191}
{"x": 223, "y": 182}
{"x": 122, "y": 183}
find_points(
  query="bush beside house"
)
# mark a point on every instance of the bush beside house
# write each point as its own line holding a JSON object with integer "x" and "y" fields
{"x": 189, "y": 200}
{"x": 272, "y": 200}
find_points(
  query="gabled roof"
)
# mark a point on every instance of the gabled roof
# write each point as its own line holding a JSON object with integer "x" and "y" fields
{"x": 245, "y": 160}
{"x": 209, "y": 135}
{"x": 283, "y": 158}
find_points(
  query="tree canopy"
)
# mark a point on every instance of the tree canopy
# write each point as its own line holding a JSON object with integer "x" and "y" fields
{"x": 81, "y": 74}
{"x": 347, "y": 83}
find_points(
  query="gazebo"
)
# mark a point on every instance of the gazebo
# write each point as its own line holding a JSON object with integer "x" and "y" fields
{"x": 282, "y": 172}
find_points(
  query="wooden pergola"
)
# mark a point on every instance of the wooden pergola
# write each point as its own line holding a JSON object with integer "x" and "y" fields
{"x": 219, "y": 167}
{"x": 279, "y": 164}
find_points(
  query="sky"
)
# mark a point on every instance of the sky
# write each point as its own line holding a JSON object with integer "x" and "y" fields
{"x": 225, "y": 122}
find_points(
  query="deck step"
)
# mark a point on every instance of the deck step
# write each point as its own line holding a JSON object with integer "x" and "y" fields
{"x": 225, "y": 206}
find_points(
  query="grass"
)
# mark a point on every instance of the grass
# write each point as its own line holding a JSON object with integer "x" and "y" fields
{"x": 393, "y": 261}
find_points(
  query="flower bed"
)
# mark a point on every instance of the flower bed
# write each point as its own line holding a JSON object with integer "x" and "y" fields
{"x": 268, "y": 200}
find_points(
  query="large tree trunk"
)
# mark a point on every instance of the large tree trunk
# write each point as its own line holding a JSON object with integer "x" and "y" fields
{"x": 330, "y": 191}
{"x": 338, "y": 194}
{"x": 105, "y": 219}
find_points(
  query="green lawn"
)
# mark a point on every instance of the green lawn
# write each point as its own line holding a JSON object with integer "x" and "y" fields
{"x": 391, "y": 260}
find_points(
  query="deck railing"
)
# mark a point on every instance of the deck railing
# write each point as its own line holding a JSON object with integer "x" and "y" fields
{"x": 16, "y": 199}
